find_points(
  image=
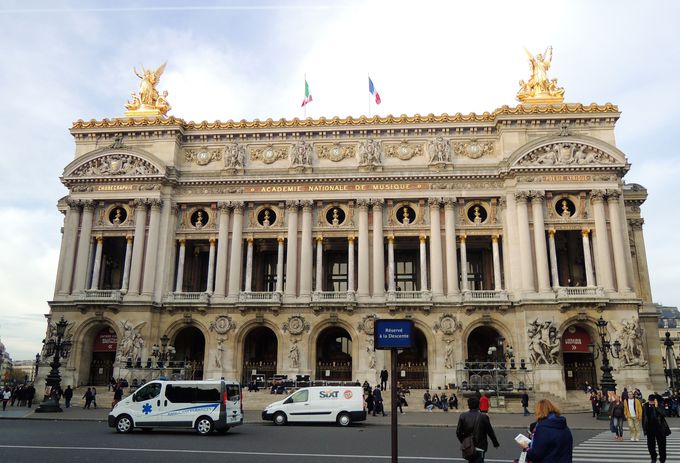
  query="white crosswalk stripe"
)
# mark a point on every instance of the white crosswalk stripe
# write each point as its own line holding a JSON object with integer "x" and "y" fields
{"x": 603, "y": 448}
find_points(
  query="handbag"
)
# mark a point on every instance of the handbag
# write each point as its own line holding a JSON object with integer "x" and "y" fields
{"x": 467, "y": 445}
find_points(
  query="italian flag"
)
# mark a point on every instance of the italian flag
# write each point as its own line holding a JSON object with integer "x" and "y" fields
{"x": 308, "y": 96}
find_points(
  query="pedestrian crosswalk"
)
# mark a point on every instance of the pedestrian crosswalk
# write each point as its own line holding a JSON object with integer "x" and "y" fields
{"x": 603, "y": 448}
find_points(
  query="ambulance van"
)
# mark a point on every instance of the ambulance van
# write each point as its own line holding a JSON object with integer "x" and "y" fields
{"x": 340, "y": 404}
{"x": 206, "y": 406}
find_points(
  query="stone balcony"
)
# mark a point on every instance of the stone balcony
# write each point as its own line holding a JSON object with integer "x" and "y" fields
{"x": 409, "y": 296}
{"x": 101, "y": 295}
{"x": 485, "y": 295}
{"x": 188, "y": 298}
{"x": 259, "y": 297}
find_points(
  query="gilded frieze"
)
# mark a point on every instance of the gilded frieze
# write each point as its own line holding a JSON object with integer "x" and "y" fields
{"x": 202, "y": 156}
{"x": 336, "y": 152}
{"x": 566, "y": 154}
{"x": 473, "y": 149}
{"x": 118, "y": 165}
{"x": 404, "y": 150}
{"x": 268, "y": 154}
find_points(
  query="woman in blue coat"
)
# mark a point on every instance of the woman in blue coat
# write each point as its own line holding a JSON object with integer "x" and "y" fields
{"x": 552, "y": 441}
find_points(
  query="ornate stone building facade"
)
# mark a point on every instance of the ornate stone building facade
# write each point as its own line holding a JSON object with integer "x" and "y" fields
{"x": 259, "y": 248}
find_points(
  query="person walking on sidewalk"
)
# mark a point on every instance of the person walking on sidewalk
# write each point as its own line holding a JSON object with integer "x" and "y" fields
{"x": 616, "y": 414}
{"x": 30, "y": 395}
{"x": 633, "y": 413}
{"x": 478, "y": 425}
{"x": 68, "y": 395}
{"x": 378, "y": 406}
{"x": 94, "y": 397}
{"x": 484, "y": 403}
{"x": 525, "y": 403}
{"x": 552, "y": 440}
{"x": 384, "y": 375}
{"x": 88, "y": 398}
{"x": 117, "y": 396}
{"x": 6, "y": 396}
{"x": 655, "y": 427}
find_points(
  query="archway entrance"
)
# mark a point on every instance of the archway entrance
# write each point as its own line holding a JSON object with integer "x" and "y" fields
{"x": 412, "y": 363}
{"x": 189, "y": 354}
{"x": 334, "y": 355}
{"x": 579, "y": 363}
{"x": 260, "y": 351}
{"x": 104, "y": 348}
{"x": 478, "y": 344}
{"x": 485, "y": 367}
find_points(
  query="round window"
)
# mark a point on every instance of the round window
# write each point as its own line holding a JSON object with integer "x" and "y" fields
{"x": 406, "y": 215}
{"x": 335, "y": 216}
{"x": 477, "y": 214}
{"x": 117, "y": 215}
{"x": 565, "y": 208}
{"x": 266, "y": 217}
{"x": 199, "y": 218}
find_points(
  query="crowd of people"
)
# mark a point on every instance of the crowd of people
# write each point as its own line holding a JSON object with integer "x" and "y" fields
{"x": 21, "y": 395}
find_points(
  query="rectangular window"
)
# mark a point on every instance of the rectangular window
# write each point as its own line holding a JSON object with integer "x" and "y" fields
{"x": 192, "y": 394}
{"x": 336, "y": 274}
{"x": 406, "y": 271}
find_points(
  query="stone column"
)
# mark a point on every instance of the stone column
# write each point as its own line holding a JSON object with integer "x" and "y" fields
{"x": 451, "y": 259}
{"x": 179, "y": 281}
{"x": 82, "y": 258}
{"x": 222, "y": 246}
{"x": 553, "y": 259}
{"x": 291, "y": 260}
{"x": 279, "y": 264}
{"x": 126, "y": 265}
{"x": 152, "y": 248}
{"x": 96, "y": 269}
{"x": 211, "y": 266}
{"x": 539, "y": 242}
{"x": 603, "y": 265}
{"x": 497, "y": 284}
{"x": 319, "y": 264}
{"x": 378, "y": 250}
{"x": 423, "y": 263}
{"x": 249, "y": 265}
{"x": 90, "y": 262}
{"x": 513, "y": 274}
{"x": 235, "y": 262}
{"x": 436, "y": 268}
{"x": 69, "y": 241}
{"x": 463, "y": 264}
{"x": 350, "y": 263}
{"x": 587, "y": 258}
{"x": 138, "y": 247}
{"x": 525, "y": 254}
{"x": 617, "y": 241}
{"x": 306, "y": 250}
{"x": 391, "y": 283}
{"x": 362, "y": 284}
{"x": 641, "y": 260}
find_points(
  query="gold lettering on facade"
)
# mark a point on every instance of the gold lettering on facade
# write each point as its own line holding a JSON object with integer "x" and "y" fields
{"x": 114, "y": 188}
{"x": 336, "y": 187}
{"x": 567, "y": 178}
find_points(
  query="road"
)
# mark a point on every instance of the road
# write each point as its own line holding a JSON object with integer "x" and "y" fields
{"x": 77, "y": 441}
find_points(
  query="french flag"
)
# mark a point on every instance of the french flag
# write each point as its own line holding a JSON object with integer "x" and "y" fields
{"x": 373, "y": 91}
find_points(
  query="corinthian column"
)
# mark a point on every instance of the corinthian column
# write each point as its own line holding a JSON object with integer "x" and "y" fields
{"x": 82, "y": 257}
{"x": 436, "y": 277}
{"x": 587, "y": 257}
{"x": 96, "y": 270}
{"x": 423, "y": 263}
{"x": 152, "y": 248}
{"x": 496, "y": 263}
{"x": 350, "y": 264}
{"x": 69, "y": 240}
{"x": 524, "y": 241}
{"x": 179, "y": 282}
{"x": 539, "y": 243}
{"x": 463, "y": 263}
{"x": 126, "y": 265}
{"x": 306, "y": 250}
{"x": 222, "y": 246}
{"x": 553, "y": 258}
{"x": 617, "y": 241}
{"x": 138, "y": 246}
{"x": 603, "y": 265}
{"x": 249, "y": 265}
{"x": 291, "y": 261}
{"x": 362, "y": 285}
{"x": 235, "y": 262}
{"x": 211, "y": 266}
{"x": 450, "y": 235}
{"x": 378, "y": 250}
{"x": 279, "y": 264}
{"x": 391, "y": 283}
{"x": 319, "y": 264}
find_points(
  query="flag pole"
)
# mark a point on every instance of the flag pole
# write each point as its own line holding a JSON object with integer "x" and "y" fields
{"x": 369, "y": 97}
{"x": 304, "y": 108}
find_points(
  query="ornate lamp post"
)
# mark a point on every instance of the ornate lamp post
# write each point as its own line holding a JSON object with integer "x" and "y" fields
{"x": 37, "y": 365}
{"x": 164, "y": 353}
{"x": 605, "y": 348}
{"x": 60, "y": 349}
{"x": 671, "y": 371}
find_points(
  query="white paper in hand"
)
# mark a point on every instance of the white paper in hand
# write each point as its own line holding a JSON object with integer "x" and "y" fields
{"x": 522, "y": 439}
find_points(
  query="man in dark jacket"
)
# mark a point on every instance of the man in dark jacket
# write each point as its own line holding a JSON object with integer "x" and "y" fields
{"x": 378, "y": 402}
{"x": 68, "y": 395}
{"x": 525, "y": 403}
{"x": 466, "y": 427}
{"x": 655, "y": 428}
{"x": 384, "y": 375}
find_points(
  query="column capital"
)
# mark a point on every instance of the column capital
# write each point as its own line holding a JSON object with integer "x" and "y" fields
{"x": 449, "y": 202}
{"x": 155, "y": 203}
{"x": 390, "y": 238}
{"x": 238, "y": 206}
{"x": 522, "y": 196}
{"x": 129, "y": 238}
{"x": 280, "y": 239}
{"x": 551, "y": 232}
{"x": 140, "y": 203}
{"x": 319, "y": 238}
{"x": 88, "y": 204}
{"x": 462, "y": 237}
{"x": 613, "y": 195}
{"x": 250, "y": 239}
{"x": 537, "y": 196}
{"x": 72, "y": 203}
{"x": 363, "y": 203}
{"x": 636, "y": 224}
{"x": 597, "y": 195}
{"x": 223, "y": 206}
{"x": 422, "y": 238}
{"x": 434, "y": 202}
{"x": 99, "y": 238}
{"x": 351, "y": 238}
{"x": 494, "y": 237}
{"x": 585, "y": 232}
{"x": 182, "y": 241}
{"x": 212, "y": 240}
{"x": 502, "y": 201}
{"x": 307, "y": 205}
{"x": 377, "y": 203}
{"x": 292, "y": 205}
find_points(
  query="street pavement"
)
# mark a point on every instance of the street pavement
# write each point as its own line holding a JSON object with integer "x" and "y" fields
{"x": 602, "y": 448}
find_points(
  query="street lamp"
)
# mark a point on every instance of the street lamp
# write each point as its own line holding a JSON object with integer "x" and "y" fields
{"x": 60, "y": 349}
{"x": 37, "y": 365}
{"x": 671, "y": 371}
{"x": 163, "y": 353}
{"x": 606, "y": 348}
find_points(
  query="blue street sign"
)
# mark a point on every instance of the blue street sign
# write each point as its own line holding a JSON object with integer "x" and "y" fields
{"x": 393, "y": 334}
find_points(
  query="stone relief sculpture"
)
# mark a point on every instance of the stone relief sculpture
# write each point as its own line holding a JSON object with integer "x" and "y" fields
{"x": 448, "y": 354}
{"x": 115, "y": 165}
{"x": 366, "y": 325}
{"x": 630, "y": 337}
{"x": 371, "y": 352}
{"x": 544, "y": 344}
{"x": 336, "y": 152}
{"x": 301, "y": 154}
{"x": 219, "y": 352}
{"x": 296, "y": 325}
{"x": 370, "y": 153}
{"x": 234, "y": 156}
{"x": 439, "y": 150}
{"x": 473, "y": 149}
{"x": 131, "y": 343}
{"x": 566, "y": 154}
{"x": 448, "y": 324}
{"x": 223, "y": 325}
{"x": 294, "y": 354}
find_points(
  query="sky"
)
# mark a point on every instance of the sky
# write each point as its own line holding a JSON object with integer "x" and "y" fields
{"x": 69, "y": 60}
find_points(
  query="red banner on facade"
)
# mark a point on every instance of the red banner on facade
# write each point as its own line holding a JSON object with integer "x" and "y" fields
{"x": 105, "y": 341}
{"x": 575, "y": 340}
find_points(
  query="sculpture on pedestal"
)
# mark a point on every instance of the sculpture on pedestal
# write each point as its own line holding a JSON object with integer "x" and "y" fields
{"x": 148, "y": 102}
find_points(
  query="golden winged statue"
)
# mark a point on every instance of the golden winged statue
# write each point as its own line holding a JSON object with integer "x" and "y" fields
{"x": 539, "y": 88}
{"x": 148, "y": 102}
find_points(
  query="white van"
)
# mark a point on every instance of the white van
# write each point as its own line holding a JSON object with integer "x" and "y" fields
{"x": 340, "y": 404}
{"x": 201, "y": 405}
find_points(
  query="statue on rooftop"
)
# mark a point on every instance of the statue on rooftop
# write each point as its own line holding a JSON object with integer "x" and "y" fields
{"x": 539, "y": 88}
{"x": 148, "y": 102}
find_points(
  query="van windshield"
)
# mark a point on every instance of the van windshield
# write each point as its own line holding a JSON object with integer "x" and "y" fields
{"x": 300, "y": 396}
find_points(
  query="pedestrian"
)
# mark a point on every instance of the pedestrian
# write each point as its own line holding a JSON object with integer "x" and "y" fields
{"x": 595, "y": 403}
{"x": 94, "y": 397}
{"x": 14, "y": 392}
{"x": 525, "y": 402}
{"x": 113, "y": 384}
{"x": 444, "y": 402}
{"x": 453, "y": 401}
{"x": 401, "y": 400}
{"x": 427, "y": 401}
{"x": 477, "y": 425}
{"x": 378, "y": 402}
{"x": 655, "y": 427}
{"x": 370, "y": 402}
{"x": 616, "y": 414}
{"x": 88, "y": 398}
{"x": 117, "y": 396}
{"x": 384, "y": 375}
{"x": 484, "y": 403}
{"x": 6, "y": 396}
{"x": 30, "y": 395}
{"x": 552, "y": 440}
{"x": 68, "y": 395}
{"x": 633, "y": 413}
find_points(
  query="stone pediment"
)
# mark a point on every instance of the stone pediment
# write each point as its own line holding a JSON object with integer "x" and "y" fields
{"x": 119, "y": 163}
{"x": 570, "y": 152}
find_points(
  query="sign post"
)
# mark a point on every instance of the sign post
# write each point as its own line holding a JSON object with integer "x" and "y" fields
{"x": 393, "y": 335}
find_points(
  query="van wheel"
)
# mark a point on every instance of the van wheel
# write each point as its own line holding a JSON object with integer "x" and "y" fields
{"x": 204, "y": 425}
{"x": 344, "y": 419}
{"x": 124, "y": 424}
{"x": 280, "y": 419}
